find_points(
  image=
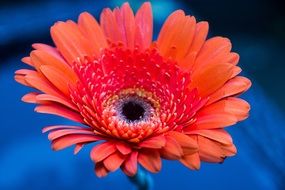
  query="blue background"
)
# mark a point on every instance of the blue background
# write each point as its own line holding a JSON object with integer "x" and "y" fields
{"x": 257, "y": 31}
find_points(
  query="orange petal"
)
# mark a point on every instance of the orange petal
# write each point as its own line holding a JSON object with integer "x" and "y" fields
{"x": 57, "y": 78}
{"x": 100, "y": 170}
{"x": 172, "y": 149}
{"x": 50, "y": 50}
{"x": 215, "y": 50}
{"x": 22, "y": 74}
{"x": 28, "y": 61}
{"x": 40, "y": 58}
{"x": 102, "y": 151}
{"x": 93, "y": 32}
{"x": 231, "y": 105}
{"x": 114, "y": 161}
{"x": 68, "y": 140}
{"x": 201, "y": 33}
{"x": 130, "y": 166}
{"x": 62, "y": 132}
{"x": 42, "y": 84}
{"x": 70, "y": 41}
{"x": 213, "y": 121}
{"x": 144, "y": 26}
{"x": 126, "y": 24}
{"x": 25, "y": 72}
{"x": 153, "y": 142}
{"x": 150, "y": 160}
{"x": 223, "y": 113}
{"x": 233, "y": 87}
{"x": 109, "y": 26}
{"x": 236, "y": 71}
{"x": 219, "y": 135}
{"x": 60, "y": 111}
{"x": 188, "y": 61}
{"x": 233, "y": 58}
{"x": 30, "y": 97}
{"x": 212, "y": 151}
{"x": 191, "y": 161}
{"x": 188, "y": 145}
{"x": 176, "y": 35}
{"x": 170, "y": 29}
{"x": 238, "y": 107}
{"x": 21, "y": 79}
{"x": 211, "y": 77}
{"x": 43, "y": 98}
{"x": 57, "y": 127}
{"x": 229, "y": 149}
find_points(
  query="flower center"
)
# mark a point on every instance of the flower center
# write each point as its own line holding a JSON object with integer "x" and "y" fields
{"x": 133, "y": 111}
{"x": 133, "y": 94}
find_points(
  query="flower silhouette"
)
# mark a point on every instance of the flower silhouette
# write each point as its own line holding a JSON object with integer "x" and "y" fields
{"x": 141, "y": 100}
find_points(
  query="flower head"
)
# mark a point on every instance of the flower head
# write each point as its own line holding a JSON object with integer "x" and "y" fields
{"x": 142, "y": 100}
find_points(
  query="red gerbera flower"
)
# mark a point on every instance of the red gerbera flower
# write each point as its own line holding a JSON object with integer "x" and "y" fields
{"x": 142, "y": 100}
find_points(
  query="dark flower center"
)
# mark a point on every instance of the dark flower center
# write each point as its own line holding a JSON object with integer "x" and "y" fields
{"x": 133, "y": 111}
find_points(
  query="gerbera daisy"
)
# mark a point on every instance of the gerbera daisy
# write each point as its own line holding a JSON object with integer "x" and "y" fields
{"x": 142, "y": 100}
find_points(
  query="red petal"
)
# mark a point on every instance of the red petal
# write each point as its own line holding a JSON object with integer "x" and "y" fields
{"x": 150, "y": 160}
{"x": 102, "y": 151}
{"x": 130, "y": 166}
{"x": 60, "y": 111}
{"x": 62, "y": 132}
{"x": 109, "y": 26}
{"x": 57, "y": 127}
{"x": 144, "y": 26}
{"x": 126, "y": 24}
{"x": 123, "y": 148}
{"x": 114, "y": 161}
{"x": 153, "y": 142}
{"x": 77, "y": 148}
{"x": 68, "y": 140}
{"x": 101, "y": 170}
{"x": 30, "y": 97}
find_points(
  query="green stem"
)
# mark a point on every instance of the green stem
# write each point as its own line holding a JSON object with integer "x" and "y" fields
{"x": 142, "y": 180}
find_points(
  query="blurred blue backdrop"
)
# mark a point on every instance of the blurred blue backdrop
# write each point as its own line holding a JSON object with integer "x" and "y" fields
{"x": 257, "y": 30}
